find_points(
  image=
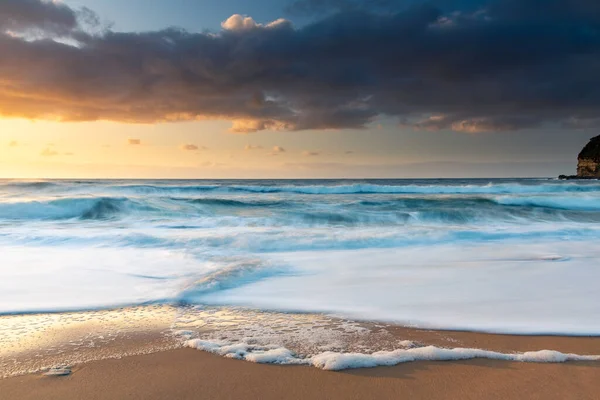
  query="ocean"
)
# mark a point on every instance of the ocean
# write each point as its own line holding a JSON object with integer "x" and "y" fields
{"x": 494, "y": 255}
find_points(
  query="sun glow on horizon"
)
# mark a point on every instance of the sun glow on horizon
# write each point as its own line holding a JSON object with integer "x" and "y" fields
{"x": 199, "y": 149}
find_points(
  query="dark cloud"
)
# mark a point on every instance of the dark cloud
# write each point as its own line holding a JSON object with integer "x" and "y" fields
{"x": 312, "y": 7}
{"x": 27, "y": 15}
{"x": 465, "y": 65}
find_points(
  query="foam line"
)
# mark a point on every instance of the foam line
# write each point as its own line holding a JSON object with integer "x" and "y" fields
{"x": 334, "y": 361}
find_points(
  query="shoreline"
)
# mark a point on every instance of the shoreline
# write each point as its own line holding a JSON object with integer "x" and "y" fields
{"x": 142, "y": 356}
{"x": 185, "y": 373}
{"x": 35, "y": 343}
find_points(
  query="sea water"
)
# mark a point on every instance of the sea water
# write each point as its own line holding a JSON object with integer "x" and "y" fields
{"x": 506, "y": 255}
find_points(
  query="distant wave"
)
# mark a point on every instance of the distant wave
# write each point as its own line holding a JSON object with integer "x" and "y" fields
{"x": 365, "y": 189}
{"x": 559, "y": 203}
{"x": 28, "y": 184}
{"x": 317, "y": 188}
{"x": 235, "y": 203}
{"x": 68, "y": 208}
{"x": 278, "y": 212}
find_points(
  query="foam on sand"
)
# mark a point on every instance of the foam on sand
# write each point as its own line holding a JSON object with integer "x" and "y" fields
{"x": 58, "y": 371}
{"x": 335, "y": 361}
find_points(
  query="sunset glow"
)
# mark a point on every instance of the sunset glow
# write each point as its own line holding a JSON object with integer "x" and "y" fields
{"x": 80, "y": 79}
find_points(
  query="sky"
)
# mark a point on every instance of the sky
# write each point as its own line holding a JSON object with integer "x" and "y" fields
{"x": 297, "y": 88}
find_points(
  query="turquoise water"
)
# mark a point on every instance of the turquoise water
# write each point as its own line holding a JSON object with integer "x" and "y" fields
{"x": 394, "y": 250}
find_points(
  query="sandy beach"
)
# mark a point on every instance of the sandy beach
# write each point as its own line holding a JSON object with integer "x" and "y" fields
{"x": 190, "y": 374}
{"x": 140, "y": 358}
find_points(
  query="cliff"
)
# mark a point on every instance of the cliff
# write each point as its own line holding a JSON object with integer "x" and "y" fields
{"x": 588, "y": 161}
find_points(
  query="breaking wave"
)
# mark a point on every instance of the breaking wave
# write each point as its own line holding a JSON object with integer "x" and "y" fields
{"x": 235, "y": 203}
{"x": 228, "y": 211}
{"x": 331, "y": 187}
{"x": 364, "y": 188}
{"x": 70, "y": 208}
{"x": 232, "y": 275}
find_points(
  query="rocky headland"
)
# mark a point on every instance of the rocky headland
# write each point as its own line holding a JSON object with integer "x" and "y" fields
{"x": 588, "y": 161}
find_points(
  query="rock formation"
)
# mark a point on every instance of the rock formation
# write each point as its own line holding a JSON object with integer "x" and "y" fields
{"x": 588, "y": 165}
{"x": 588, "y": 161}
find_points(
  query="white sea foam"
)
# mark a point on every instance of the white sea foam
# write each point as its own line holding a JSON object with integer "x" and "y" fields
{"x": 532, "y": 288}
{"x": 339, "y": 361}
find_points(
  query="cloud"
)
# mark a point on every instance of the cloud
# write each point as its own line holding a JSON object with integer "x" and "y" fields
{"x": 249, "y": 125}
{"x": 252, "y": 147}
{"x": 134, "y": 142}
{"x": 474, "y": 125}
{"x": 27, "y": 15}
{"x": 349, "y": 152}
{"x": 192, "y": 147}
{"x": 318, "y": 7}
{"x": 310, "y": 153}
{"x": 49, "y": 152}
{"x": 13, "y": 143}
{"x": 468, "y": 66}
{"x": 239, "y": 22}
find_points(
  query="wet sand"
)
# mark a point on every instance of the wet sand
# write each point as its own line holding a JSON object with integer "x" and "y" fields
{"x": 191, "y": 374}
{"x": 132, "y": 353}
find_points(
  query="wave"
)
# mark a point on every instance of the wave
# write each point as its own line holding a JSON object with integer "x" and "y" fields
{"x": 70, "y": 208}
{"x": 335, "y": 361}
{"x": 235, "y": 203}
{"x": 234, "y": 275}
{"x": 361, "y": 188}
{"x": 26, "y": 184}
{"x": 384, "y": 189}
{"x": 223, "y": 212}
{"x": 301, "y": 187}
{"x": 560, "y": 203}
{"x": 557, "y": 202}
{"x": 417, "y": 189}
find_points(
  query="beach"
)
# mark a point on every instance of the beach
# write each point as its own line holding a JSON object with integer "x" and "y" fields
{"x": 189, "y": 374}
{"x": 144, "y": 356}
